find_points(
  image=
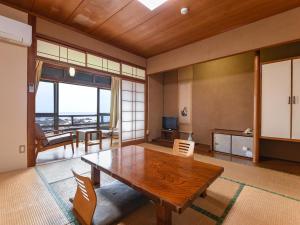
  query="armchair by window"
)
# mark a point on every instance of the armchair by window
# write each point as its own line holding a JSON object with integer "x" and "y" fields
{"x": 45, "y": 142}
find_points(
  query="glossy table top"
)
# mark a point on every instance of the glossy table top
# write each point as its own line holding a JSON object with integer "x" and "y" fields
{"x": 166, "y": 178}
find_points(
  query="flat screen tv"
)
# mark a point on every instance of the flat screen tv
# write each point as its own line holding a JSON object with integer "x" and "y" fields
{"x": 169, "y": 123}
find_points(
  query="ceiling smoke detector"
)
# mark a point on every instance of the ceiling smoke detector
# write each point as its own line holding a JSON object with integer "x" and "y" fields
{"x": 184, "y": 11}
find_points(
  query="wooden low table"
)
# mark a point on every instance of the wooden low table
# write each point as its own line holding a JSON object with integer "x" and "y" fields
{"x": 172, "y": 182}
{"x": 101, "y": 134}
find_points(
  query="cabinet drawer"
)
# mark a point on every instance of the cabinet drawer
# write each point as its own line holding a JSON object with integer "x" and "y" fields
{"x": 222, "y": 143}
{"x": 242, "y": 146}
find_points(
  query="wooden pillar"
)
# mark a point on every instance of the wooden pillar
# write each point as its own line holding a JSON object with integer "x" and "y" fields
{"x": 257, "y": 108}
{"x": 31, "y": 53}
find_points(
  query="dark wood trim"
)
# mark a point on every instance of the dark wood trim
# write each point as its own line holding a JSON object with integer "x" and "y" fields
{"x": 86, "y": 50}
{"x": 279, "y": 60}
{"x": 257, "y": 108}
{"x": 133, "y": 142}
{"x": 146, "y": 110}
{"x": 279, "y": 139}
{"x": 31, "y": 53}
{"x": 58, "y": 64}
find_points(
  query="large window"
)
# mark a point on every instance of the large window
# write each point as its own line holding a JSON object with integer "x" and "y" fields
{"x": 104, "y": 105}
{"x": 45, "y": 105}
{"x": 68, "y": 107}
{"x": 133, "y": 110}
{"x": 77, "y": 106}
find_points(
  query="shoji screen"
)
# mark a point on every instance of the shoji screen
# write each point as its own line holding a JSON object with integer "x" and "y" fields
{"x": 133, "y": 110}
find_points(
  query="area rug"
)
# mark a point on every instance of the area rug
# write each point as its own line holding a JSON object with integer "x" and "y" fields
{"x": 233, "y": 198}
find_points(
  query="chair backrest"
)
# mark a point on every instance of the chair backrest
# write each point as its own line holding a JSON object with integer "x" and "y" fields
{"x": 85, "y": 199}
{"x": 40, "y": 135}
{"x": 183, "y": 147}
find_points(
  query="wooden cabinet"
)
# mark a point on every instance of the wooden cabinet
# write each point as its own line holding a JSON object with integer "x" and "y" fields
{"x": 232, "y": 142}
{"x": 280, "y": 115}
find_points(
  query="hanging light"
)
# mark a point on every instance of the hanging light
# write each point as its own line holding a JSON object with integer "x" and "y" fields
{"x": 72, "y": 71}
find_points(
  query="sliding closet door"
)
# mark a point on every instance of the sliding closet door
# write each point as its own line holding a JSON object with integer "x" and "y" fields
{"x": 296, "y": 103}
{"x": 133, "y": 111}
{"x": 276, "y": 102}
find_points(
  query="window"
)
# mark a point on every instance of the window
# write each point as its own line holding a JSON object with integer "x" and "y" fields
{"x": 65, "y": 54}
{"x": 77, "y": 106}
{"x": 132, "y": 71}
{"x": 104, "y": 106}
{"x": 45, "y": 105}
{"x": 133, "y": 110}
{"x": 103, "y": 64}
{"x": 60, "y": 53}
{"x": 69, "y": 107}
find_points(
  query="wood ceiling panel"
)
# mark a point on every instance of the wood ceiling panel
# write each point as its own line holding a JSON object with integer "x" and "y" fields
{"x": 198, "y": 24}
{"x": 23, "y": 4}
{"x": 56, "y": 9}
{"x": 131, "y": 26}
{"x": 126, "y": 19}
{"x": 92, "y": 13}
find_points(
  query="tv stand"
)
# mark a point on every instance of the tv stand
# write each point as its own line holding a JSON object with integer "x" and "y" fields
{"x": 167, "y": 137}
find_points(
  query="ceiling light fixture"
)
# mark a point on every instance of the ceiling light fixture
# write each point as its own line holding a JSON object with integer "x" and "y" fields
{"x": 152, "y": 4}
{"x": 184, "y": 11}
{"x": 72, "y": 71}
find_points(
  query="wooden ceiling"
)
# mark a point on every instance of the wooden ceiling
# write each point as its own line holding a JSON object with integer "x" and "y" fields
{"x": 131, "y": 26}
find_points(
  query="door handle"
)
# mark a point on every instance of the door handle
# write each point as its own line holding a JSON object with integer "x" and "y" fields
{"x": 294, "y": 100}
{"x": 290, "y": 100}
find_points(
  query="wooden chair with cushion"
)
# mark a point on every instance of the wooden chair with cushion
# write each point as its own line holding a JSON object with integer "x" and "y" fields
{"x": 45, "y": 142}
{"x": 106, "y": 205}
{"x": 183, "y": 148}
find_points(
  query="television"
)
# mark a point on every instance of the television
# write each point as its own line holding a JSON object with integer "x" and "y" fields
{"x": 169, "y": 123}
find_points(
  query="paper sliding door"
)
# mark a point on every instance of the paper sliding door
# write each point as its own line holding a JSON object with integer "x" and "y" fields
{"x": 296, "y": 100}
{"x": 276, "y": 100}
{"x": 133, "y": 111}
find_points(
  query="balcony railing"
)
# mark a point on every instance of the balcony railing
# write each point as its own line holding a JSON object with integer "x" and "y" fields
{"x": 52, "y": 121}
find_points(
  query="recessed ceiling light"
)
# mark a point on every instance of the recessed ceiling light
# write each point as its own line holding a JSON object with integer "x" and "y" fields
{"x": 152, "y": 4}
{"x": 184, "y": 11}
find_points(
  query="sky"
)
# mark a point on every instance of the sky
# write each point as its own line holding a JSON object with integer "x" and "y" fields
{"x": 73, "y": 99}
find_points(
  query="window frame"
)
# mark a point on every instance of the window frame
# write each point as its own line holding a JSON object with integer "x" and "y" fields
{"x": 86, "y": 52}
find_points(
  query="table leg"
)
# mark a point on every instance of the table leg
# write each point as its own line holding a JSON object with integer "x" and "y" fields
{"x": 100, "y": 141}
{"x": 204, "y": 194}
{"x": 77, "y": 139}
{"x": 95, "y": 176}
{"x": 163, "y": 215}
{"x": 86, "y": 140}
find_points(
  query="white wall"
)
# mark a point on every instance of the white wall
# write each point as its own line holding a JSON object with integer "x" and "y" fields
{"x": 13, "y": 99}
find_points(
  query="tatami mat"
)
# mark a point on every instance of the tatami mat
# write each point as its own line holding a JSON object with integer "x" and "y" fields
{"x": 244, "y": 195}
{"x": 255, "y": 206}
{"x": 54, "y": 172}
{"x": 25, "y": 200}
{"x": 146, "y": 216}
{"x": 279, "y": 182}
{"x": 219, "y": 195}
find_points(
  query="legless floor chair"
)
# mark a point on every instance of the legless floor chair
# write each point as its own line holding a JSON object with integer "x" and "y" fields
{"x": 183, "y": 148}
{"x": 106, "y": 205}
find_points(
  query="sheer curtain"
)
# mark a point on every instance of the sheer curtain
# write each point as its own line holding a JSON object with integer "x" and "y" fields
{"x": 115, "y": 99}
{"x": 38, "y": 73}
